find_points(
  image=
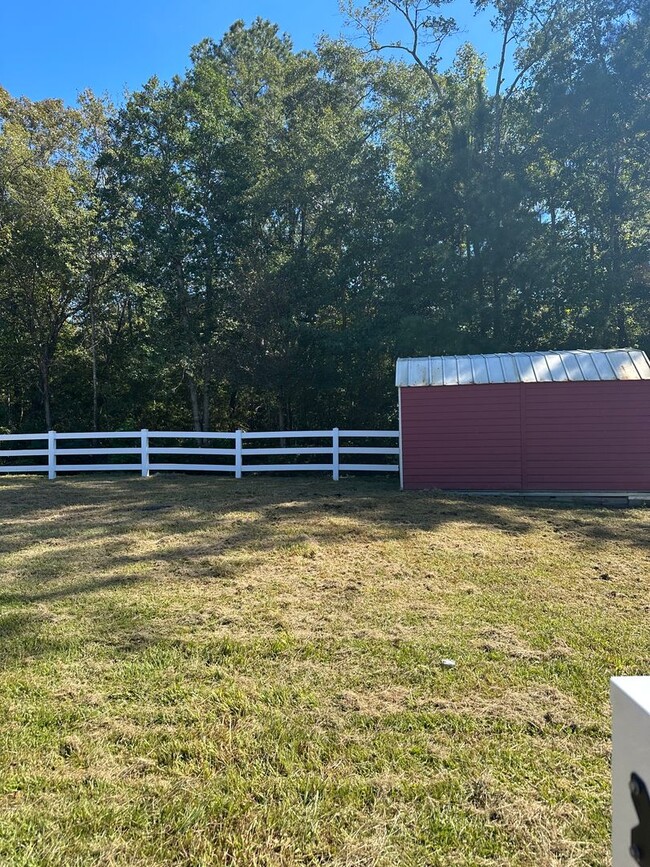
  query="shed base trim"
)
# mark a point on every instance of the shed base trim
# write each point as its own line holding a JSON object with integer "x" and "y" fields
{"x": 630, "y": 498}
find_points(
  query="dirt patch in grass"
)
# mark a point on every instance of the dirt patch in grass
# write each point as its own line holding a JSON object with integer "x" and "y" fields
{"x": 200, "y": 671}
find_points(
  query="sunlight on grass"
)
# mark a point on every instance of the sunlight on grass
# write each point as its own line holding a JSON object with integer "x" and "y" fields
{"x": 200, "y": 671}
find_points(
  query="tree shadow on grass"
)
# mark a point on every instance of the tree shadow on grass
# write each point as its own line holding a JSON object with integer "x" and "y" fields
{"x": 254, "y": 514}
{"x": 70, "y": 589}
{"x": 47, "y": 531}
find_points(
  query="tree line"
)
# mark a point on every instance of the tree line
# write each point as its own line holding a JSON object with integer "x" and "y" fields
{"x": 254, "y": 243}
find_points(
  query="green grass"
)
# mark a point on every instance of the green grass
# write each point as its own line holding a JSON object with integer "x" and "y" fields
{"x": 210, "y": 672}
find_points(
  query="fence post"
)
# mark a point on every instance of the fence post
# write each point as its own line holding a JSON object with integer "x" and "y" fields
{"x": 51, "y": 454}
{"x": 335, "y": 454}
{"x": 238, "y": 453}
{"x": 144, "y": 452}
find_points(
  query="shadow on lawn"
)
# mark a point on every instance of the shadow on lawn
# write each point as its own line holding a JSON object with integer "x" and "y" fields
{"x": 80, "y": 510}
{"x": 50, "y": 594}
{"x": 51, "y": 524}
{"x": 198, "y": 521}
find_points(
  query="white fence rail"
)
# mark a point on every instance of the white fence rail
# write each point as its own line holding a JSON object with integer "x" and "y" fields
{"x": 54, "y": 454}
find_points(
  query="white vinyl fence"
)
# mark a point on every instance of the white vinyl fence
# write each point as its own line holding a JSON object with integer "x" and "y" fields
{"x": 148, "y": 451}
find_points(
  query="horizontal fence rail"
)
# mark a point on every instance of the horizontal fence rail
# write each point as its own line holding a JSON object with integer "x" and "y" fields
{"x": 55, "y": 453}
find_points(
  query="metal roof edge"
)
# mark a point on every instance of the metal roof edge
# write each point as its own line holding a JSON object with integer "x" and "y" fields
{"x": 602, "y": 365}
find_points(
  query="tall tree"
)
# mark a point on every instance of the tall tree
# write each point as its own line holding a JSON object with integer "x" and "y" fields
{"x": 44, "y": 184}
{"x": 253, "y": 242}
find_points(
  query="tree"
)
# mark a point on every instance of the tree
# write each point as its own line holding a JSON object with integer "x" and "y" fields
{"x": 44, "y": 184}
{"x": 252, "y": 243}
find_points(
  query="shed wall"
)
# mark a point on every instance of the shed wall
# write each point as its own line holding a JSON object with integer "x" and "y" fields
{"x": 577, "y": 436}
{"x": 465, "y": 437}
{"x": 583, "y": 436}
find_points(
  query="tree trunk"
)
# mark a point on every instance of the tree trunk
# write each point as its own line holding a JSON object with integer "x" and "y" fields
{"x": 207, "y": 374}
{"x": 93, "y": 339}
{"x": 45, "y": 389}
{"x": 194, "y": 400}
{"x": 497, "y": 313}
{"x": 232, "y": 405}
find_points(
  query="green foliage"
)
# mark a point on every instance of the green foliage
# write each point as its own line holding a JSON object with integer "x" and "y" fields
{"x": 254, "y": 242}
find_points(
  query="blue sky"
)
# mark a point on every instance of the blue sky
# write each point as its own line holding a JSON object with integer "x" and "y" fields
{"x": 56, "y": 49}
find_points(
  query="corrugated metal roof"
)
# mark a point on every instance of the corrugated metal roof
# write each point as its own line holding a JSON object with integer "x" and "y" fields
{"x": 561, "y": 366}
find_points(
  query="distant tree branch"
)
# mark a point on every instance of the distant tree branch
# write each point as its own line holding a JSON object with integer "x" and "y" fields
{"x": 419, "y": 20}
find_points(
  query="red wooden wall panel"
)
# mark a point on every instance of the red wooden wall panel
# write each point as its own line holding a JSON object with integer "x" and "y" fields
{"x": 464, "y": 437}
{"x": 587, "y": 436}
{"x": 572, "y": 436}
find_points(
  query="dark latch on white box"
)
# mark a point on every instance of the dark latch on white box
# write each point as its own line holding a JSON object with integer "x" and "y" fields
{"x": 640, "y": 840}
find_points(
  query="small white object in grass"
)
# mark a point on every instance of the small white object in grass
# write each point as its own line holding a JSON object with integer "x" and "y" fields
{"x": 448, "y": 663}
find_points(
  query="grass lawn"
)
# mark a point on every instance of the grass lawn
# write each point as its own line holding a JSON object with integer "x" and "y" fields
{"x": 200, "y": 671}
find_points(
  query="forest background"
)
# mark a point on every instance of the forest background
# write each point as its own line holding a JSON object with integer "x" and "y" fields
{"x": 254, "y": 242}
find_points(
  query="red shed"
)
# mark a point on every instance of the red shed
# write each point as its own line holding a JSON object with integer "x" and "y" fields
{"x": 526, "y": 421}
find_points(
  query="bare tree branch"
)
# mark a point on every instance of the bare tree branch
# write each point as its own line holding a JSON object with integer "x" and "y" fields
{"x": 423, "y": 29}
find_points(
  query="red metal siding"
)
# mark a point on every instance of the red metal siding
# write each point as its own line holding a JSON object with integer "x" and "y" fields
{"x": 586, "y": 436}
{"x": 589, "y": 436}
{"x": 465, "y": 437}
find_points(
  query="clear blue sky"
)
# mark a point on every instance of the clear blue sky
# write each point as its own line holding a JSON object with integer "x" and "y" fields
{"x": 56, "y": 48}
